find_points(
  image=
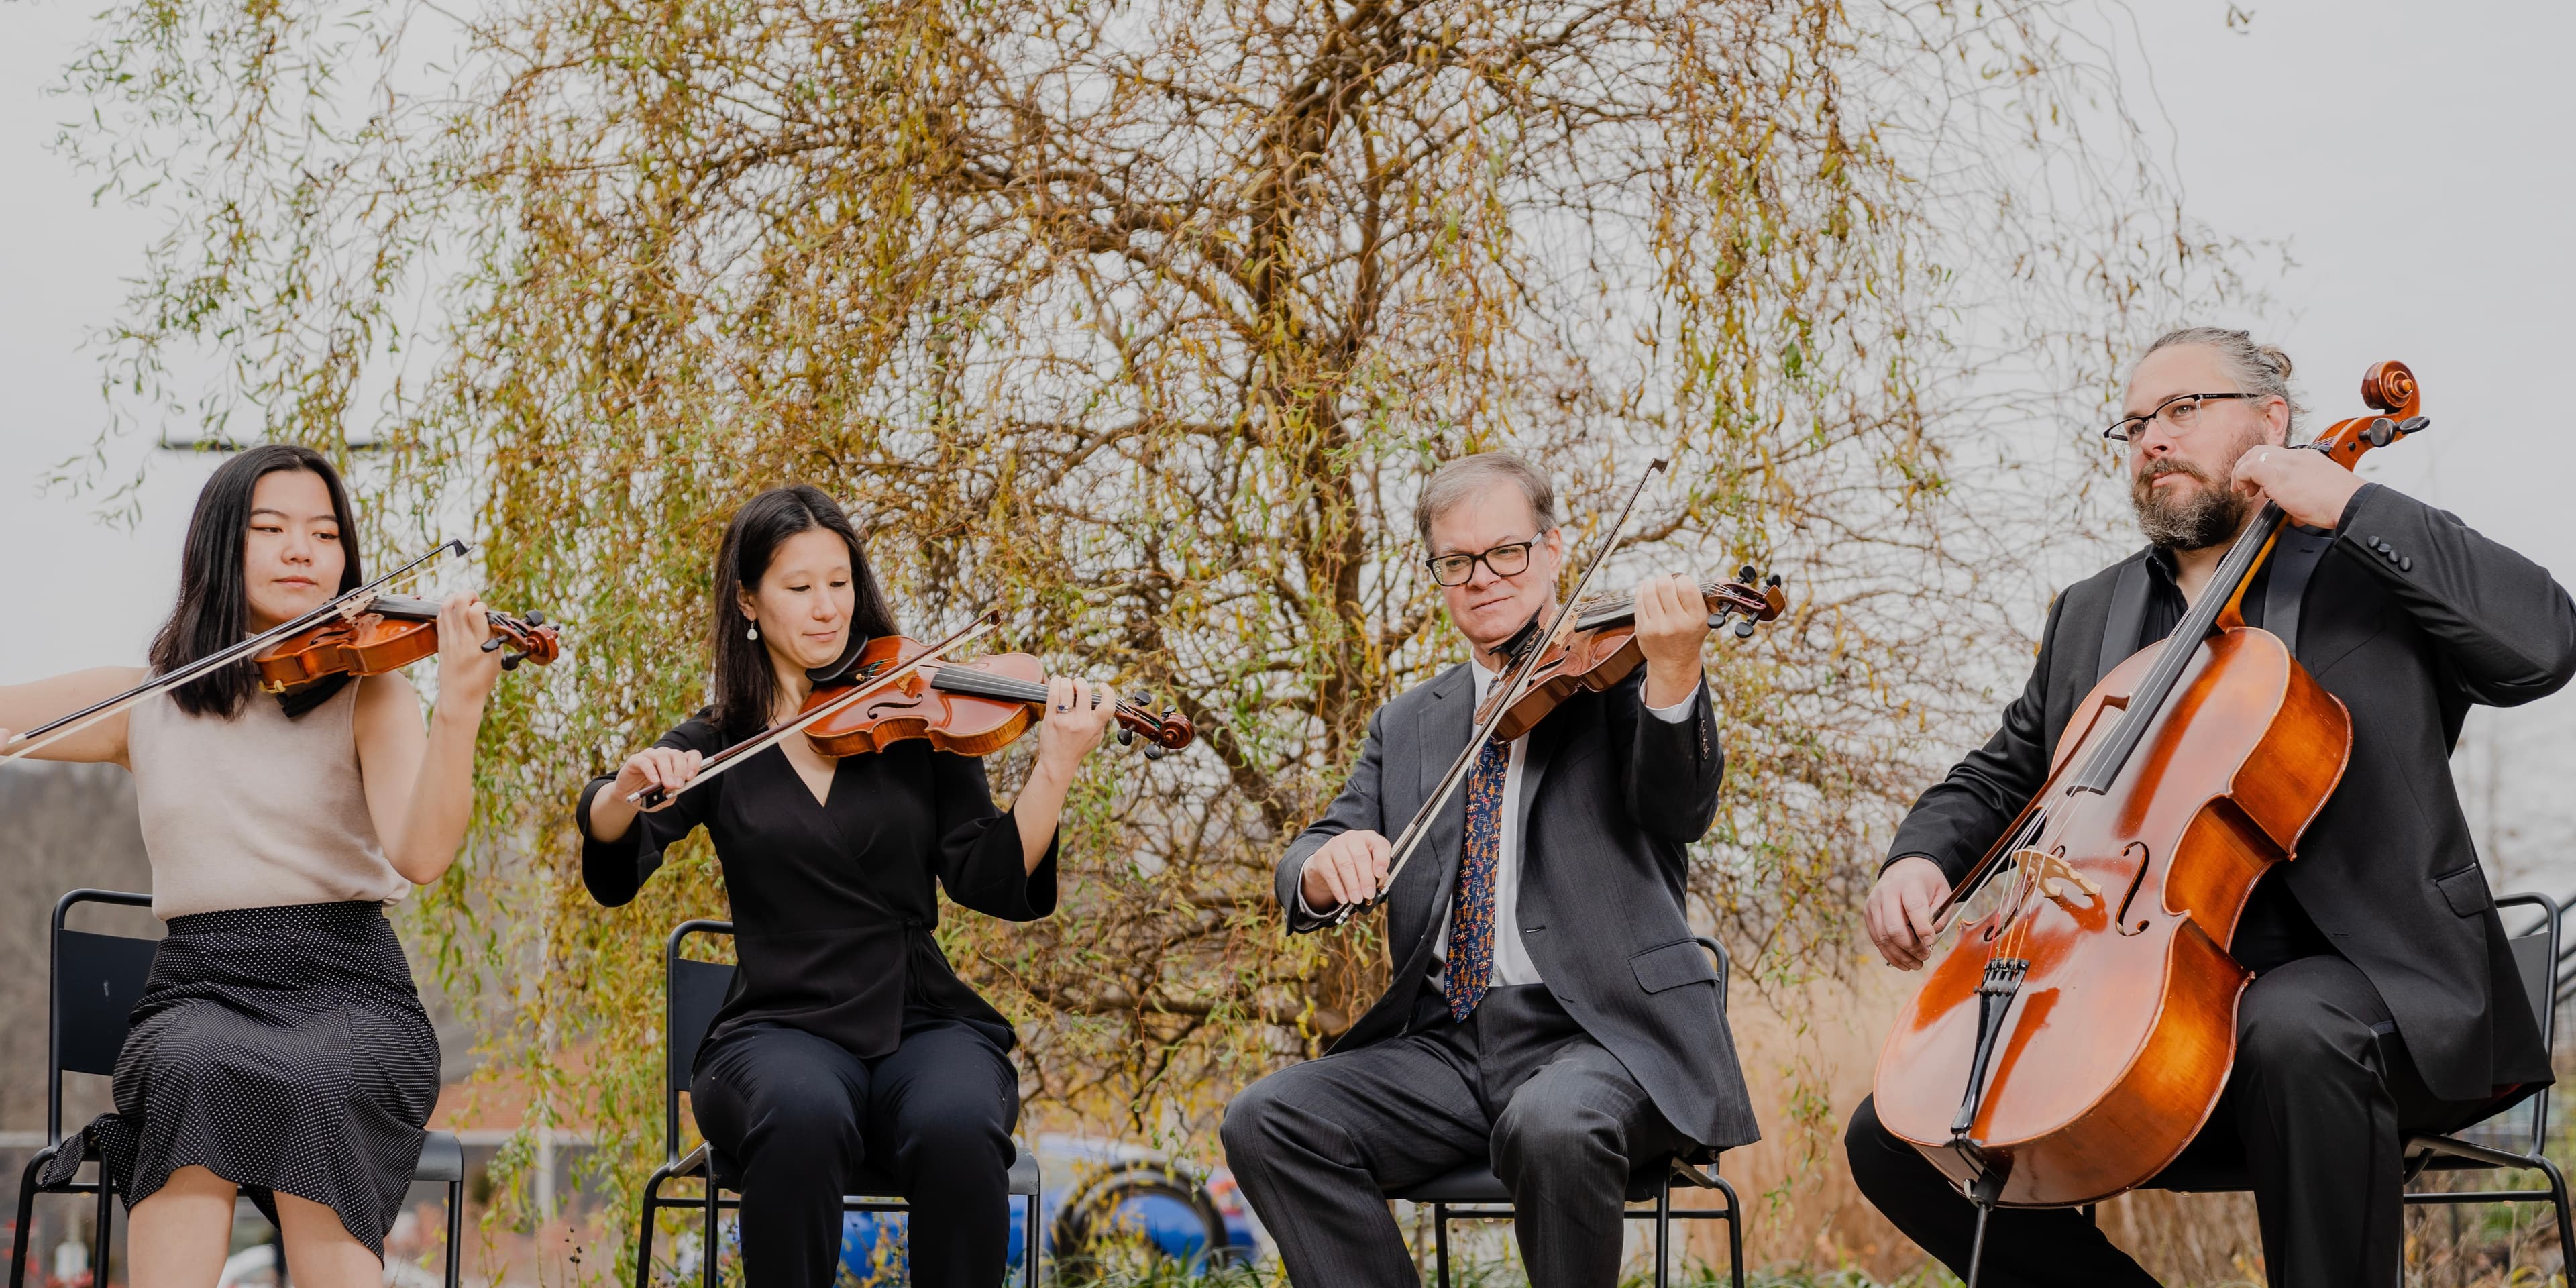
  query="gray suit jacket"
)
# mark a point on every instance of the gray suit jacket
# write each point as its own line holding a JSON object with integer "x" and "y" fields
{"x": 2409, "y": 639}
{"x": 1610, "y": 798}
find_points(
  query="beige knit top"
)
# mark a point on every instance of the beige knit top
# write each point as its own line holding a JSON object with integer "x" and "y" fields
{"x": 258, "y": 811}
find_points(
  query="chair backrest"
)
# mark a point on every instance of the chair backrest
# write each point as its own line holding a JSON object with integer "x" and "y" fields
{"x": 2535, "y": 959}
{"x": 1718, "y": 951}
{"x": 90, "y": 1002}
{"x": 695, "y": 992}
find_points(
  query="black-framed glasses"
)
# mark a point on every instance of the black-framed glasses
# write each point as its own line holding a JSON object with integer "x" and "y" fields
{"x": 1508, "y": 560}
{"x": 2179, "y": 413}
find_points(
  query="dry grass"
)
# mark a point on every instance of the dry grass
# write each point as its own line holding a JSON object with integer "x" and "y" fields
{"x": 1810, "y": 1054}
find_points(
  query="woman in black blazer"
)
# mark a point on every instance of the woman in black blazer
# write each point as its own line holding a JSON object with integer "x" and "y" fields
{"x": 847, "y": 1039}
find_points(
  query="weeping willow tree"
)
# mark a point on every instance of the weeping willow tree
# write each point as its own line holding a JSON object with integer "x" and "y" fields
{"x": 1140, "y": 323}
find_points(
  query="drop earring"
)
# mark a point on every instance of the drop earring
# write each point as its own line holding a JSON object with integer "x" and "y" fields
{"x": 752, "y": 632}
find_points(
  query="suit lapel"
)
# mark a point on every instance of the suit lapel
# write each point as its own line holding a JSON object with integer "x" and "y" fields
{"x": 1447, "y": 720}
{"x": 2128, "y": 615}
{"x": 2294, "y": 560}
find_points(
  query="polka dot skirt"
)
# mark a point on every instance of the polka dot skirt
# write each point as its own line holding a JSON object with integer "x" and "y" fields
{"x": 285, "y": 1050}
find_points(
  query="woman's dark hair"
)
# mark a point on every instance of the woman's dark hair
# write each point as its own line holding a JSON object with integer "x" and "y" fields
{"x": 213, "y": 612}
{"x": 746, "y": 683}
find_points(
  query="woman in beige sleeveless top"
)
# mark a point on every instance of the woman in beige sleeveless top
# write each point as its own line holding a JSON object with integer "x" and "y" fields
{"x": 279, "y": 1050}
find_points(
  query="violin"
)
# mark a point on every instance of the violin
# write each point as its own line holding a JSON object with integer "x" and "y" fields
{"x": 337, "y": 609}
{"x": 971, "y": 708}
{"x": 896, "y": 688}
{"x": 2075, "y": 1037}
{"x": 1588, "y": 644}
{"x": 1597, "y": 648}
{"x": 382, "y": 633}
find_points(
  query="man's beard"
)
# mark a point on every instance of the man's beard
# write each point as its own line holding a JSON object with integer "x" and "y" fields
{"x": 2184, "y": 517}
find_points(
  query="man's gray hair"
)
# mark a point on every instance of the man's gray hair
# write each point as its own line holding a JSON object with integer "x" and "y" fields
{"x": 1466, "y": 476}
{"x": 2258, "y": 369}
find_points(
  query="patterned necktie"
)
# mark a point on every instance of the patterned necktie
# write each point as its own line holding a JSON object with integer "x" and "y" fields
{"x": 1470, "y": 961}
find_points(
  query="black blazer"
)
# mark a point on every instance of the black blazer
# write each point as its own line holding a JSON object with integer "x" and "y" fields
{"x": 1610, "y": 799}
{"x": 2408, "y": 639}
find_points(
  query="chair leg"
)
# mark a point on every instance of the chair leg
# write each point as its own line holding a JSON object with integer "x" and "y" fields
{"x": 26, "y": 1216}
{"x": 652, "y": 1202}
{"x": 1028, "y": 1242}
{"x": 1440, "y": 1241}
{"x": 456, "y": 1233}
{"x": 712, "y": 1277}
{"x": 1664, "y": 1234}
{"x": 1734, "y": 1230}
{"x": 106, "y": 1217}
{"x": 2558, "y": 1200}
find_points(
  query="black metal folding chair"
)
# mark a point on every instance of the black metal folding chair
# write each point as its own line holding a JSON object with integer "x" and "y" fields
{"x": 95, "y": 981}
{"x": 2535, "y": 957}
{"x": 695, "y": 991}
{"x": 1474, "y": 1192}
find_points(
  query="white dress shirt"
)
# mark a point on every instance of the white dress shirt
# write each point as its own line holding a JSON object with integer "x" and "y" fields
{"x": 1512, "y": 964}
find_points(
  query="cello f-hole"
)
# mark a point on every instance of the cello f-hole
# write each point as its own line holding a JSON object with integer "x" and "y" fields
{"x": 2135, "y": 855}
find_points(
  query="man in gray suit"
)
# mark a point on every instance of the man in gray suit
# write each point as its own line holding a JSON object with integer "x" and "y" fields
{"x": 1550, "y": 1011}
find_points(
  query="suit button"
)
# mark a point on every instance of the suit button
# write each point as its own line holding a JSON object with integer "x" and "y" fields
{"x": 2405, "y": 563}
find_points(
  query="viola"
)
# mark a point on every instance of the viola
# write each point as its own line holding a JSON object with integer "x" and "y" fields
{"x": 971, "y": 708}
{"x": 1597, "y": 648}
{"x": 981, "y": 707}
{"x": 384, "y": 633}
{"x": 2075, "y": 1037}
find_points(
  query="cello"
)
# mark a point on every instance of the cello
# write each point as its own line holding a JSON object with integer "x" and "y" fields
{"x": 2077, "y": 1035}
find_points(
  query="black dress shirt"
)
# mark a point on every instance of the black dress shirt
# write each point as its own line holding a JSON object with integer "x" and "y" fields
{"x": 834, "y": 902}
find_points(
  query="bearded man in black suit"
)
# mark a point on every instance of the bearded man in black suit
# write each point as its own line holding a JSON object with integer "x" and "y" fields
{"x": 1550, "y": 1011}
{"x": 2384, "y": 999}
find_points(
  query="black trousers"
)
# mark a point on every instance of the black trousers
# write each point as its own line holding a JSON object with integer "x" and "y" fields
{"x": 2313, "y": 1116}
{"x": 799, "y": 1117}
{"x": 1316, "y": 1145}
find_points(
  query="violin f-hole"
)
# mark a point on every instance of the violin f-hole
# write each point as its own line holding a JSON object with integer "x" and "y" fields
{"x": 2135, "y": 855}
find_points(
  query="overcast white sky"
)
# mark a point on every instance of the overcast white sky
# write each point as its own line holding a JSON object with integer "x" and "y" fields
{"x": 2413, "y": 168}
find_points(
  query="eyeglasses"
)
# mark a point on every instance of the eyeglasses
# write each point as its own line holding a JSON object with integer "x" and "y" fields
{"x": 1509, "y": 560}
{"x": 2179, "y": 413}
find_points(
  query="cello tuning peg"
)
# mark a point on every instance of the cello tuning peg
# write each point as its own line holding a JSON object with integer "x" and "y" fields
{"x": 536, "y": 618}
{"x": 510, "y": 662}
{"x": 1774, "y": 580}
{"x": 1126, "y": 737}
{"x": 1745, "y": 573}
{"x": 493, "y": 645}
{"x": 2414, "y": 424}
{"x": 1154, "y": 751}
{"x": 2382, "y": 432}
{"x": 1716, "y": 620}
{"x": 1744, "y": 629}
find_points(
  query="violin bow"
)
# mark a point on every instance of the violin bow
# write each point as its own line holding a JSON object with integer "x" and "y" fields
{"x": 1409, "y": 841}
{"x": 652, "y": 797}
{"x": 65, "y": 726}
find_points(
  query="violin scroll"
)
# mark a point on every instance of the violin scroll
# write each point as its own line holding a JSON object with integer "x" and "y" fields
{"x": 1165, "y": 732}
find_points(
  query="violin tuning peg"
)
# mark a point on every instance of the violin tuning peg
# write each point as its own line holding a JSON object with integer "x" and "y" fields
{"x": 511, "y": 661}
{"x": 1154, "y": 751}
{"x": 536, "y": 618}
{"x": 1773, "y": 581}
{"x": 493, "y": 645}
{"x": 1744, "y": 629}
{"x": 1126, "y": 737}
{"x": 1716, "y": 620}
{"x": 1745, "y": 573}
